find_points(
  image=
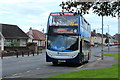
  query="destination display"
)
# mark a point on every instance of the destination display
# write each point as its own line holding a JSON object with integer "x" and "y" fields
{"x": 53, "y": 14}
{"x": 65, "y": 30}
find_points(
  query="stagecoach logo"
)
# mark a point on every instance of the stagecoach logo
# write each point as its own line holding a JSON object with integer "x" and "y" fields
{"x": 75, "y": 30}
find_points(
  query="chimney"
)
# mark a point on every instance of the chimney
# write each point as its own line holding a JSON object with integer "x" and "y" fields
{"x": 43, "y": 30}
{"x": 30, "y": 33}
{"x": 94, "y": 31}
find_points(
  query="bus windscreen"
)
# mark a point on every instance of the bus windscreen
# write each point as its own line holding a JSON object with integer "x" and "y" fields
{"x": 62, "y": 43}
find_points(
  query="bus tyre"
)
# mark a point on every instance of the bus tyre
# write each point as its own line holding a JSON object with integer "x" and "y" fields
{"x": 82, "y": 61}
{"x": 55, "y": 63}
{"x": 89, "y": 55}
{"x": 86, "y": 61}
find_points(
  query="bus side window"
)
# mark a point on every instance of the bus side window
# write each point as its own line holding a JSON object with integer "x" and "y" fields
{"x": 51, "y": 21}
{"x": 82, "y": 22}
{"x": 83, "y": 43}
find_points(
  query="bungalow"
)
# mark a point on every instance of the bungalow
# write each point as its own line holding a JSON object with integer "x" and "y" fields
{"x": 37, "y": 37}
{"x": 93, "y": 37}
{"x": 12, "y": 35}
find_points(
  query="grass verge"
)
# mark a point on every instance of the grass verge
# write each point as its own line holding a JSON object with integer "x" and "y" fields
{"x": 116, "y": 55}
{"x": 111, "y": 72}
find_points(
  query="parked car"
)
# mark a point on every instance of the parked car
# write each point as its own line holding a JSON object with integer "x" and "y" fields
{"x": 97, "y": 44}
{"x": 109, "y": 44}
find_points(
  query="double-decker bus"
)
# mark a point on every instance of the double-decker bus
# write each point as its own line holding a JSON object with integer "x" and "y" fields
{"x": 68, "y": 38}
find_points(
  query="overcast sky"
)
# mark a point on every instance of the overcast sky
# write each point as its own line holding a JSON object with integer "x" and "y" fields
{"x": 34, "y": 13}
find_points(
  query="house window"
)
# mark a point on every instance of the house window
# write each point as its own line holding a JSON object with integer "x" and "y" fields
{"x": 12, "y": 42}
{"x": 15, "y": 42}
{"x": 42, "y": 43}
{"x": 8, "y": 42}
{"x": 23, "y": 42}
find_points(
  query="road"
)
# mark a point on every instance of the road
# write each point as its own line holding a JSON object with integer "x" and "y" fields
{"x": 36, "y": 66}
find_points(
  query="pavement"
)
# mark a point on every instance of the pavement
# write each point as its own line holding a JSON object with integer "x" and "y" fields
{"x": 113, "y": 49}
{"x": 106, "y": 62}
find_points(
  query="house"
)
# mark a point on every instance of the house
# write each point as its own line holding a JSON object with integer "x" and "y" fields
{"x": 111, "y": 38}
{"x": 93, "y": 37}
{"x": 37, "y": 37}
{"x": 117, "y": 38}
{"x": 12, "y": 35}
{"x": 97, "y": 38}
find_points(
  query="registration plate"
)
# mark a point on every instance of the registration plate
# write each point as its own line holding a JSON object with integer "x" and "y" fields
{"x": 62, "y": 54}
{"x": 61, "y": 60}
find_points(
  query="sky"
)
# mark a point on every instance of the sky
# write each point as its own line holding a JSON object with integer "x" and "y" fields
{"x": 34, "y": 13}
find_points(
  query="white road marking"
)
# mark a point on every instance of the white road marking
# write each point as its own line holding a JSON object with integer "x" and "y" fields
{"x": 14, "y": 74}
{"x": 94, "y": 62}
{"x": 15, "y": 77}
{"x": 89, "y": 64}
{"x": 99, "y": 59}
{"x": 37, "y": 68}
{"x": 19, "y": 73}
{"x": 80, "y": 67}
{"x": 27, "y": 71}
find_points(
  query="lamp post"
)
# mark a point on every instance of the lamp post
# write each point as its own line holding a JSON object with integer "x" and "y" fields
{"x": 102, "y": 40}
{"x": 108, "y": 39}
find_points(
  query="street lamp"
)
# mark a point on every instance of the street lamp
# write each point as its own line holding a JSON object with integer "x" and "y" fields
{"x": 102, "y": 40}
{"x": 108, "y": 38}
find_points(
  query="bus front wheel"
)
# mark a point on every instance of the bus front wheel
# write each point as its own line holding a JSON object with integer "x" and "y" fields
{"x": 55, "y": 63}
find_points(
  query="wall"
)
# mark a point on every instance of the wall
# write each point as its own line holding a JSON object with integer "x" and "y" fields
{"x": 1, "y": 42}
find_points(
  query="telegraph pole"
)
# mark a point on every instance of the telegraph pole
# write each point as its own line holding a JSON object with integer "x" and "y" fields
{"x": 102, "y": 40}
{"x": 108, "y": 39}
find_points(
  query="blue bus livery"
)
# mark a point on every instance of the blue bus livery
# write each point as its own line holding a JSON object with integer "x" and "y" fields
{"x": 68, "y": 38}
